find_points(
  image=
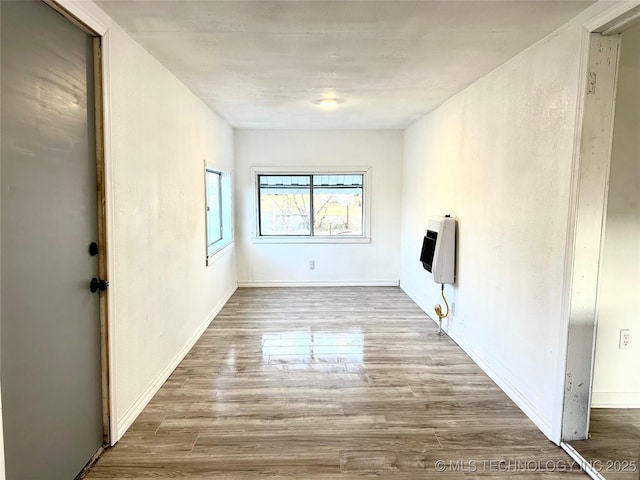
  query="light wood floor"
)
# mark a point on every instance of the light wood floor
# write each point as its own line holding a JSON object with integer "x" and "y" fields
{"x": 614, "y": 442}
{"x": 330, "y": 383}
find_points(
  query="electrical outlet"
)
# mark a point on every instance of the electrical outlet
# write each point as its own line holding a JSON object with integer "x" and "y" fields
{"x": 625, "y": 338}
{"x": 312, "y": 264}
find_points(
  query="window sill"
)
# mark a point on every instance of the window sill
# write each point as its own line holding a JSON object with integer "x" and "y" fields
{"x": 218, "y": 252}
{"x": 293, "y": 239}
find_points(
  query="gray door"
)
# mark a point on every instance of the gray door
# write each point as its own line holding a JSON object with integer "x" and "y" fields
{"x": 49, "y": 324}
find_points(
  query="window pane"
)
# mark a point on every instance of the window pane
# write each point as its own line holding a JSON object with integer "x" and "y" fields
{"x": 285, "y": 204}
{"x": 214, "y": 207}
{"x": 337, "y": 205}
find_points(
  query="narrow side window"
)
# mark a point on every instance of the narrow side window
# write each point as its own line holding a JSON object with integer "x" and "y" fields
{"x": 218, "y": 209}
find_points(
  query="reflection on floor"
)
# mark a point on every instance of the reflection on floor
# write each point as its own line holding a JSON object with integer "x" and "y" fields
{"x": 614, "y": 443}
{"x": 330, "y": 383}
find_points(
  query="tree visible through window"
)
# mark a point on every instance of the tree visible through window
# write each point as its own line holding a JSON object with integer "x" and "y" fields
{"x": 311, "y": 205}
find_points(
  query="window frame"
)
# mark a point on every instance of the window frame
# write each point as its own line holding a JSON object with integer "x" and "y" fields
{"x": 256, "y": 172}
{"x": 221, "y": 232}
{"x": 225, "y": 192}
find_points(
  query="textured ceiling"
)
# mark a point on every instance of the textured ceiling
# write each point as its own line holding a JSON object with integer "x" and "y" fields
{"x": 264, "y": 64}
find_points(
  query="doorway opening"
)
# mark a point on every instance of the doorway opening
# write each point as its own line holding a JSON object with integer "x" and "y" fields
{"x": 601, "y": 417}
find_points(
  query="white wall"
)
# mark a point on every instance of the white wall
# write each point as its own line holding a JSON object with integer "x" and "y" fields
{"x": 377, "y": 262}
{"x": 498, "y": 157}
{"x": 163, "y": 295}
{"x": 616, "y": 380}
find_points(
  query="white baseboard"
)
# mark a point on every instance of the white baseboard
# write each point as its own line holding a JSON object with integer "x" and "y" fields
{"x": 375, "y": 283}
{"x": 615, "y": 400}
{"x": 543, "y": 423}
{"x": 132, "y": 413}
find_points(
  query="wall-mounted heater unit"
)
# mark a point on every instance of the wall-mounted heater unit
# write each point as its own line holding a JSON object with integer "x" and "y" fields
{"x": 438, "y": 254}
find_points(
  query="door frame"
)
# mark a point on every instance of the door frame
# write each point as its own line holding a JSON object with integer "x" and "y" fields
{"x": 587, "y": 212}
{"x": 77, "y": 13}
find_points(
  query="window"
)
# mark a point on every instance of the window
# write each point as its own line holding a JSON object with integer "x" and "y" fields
{"x": 218, "y": 210}
{"x": 214, "y": 208}
{"x": 314, "y": 205}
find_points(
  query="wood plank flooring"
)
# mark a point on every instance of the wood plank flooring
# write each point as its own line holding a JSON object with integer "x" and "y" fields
{"x": 330, "y": 383}
{"x": 614, "y": 442}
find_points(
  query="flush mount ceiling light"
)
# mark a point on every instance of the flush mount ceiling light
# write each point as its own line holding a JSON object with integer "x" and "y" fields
{"x": 329, "y": 102}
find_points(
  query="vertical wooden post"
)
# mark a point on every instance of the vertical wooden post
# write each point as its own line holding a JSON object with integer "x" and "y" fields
{"x": 590, "y": 201}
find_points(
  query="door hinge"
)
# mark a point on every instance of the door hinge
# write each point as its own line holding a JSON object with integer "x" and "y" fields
{"x": 591, "y": 83}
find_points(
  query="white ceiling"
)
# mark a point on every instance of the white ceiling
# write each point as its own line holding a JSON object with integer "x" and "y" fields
{"x": 263, "y": 64}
